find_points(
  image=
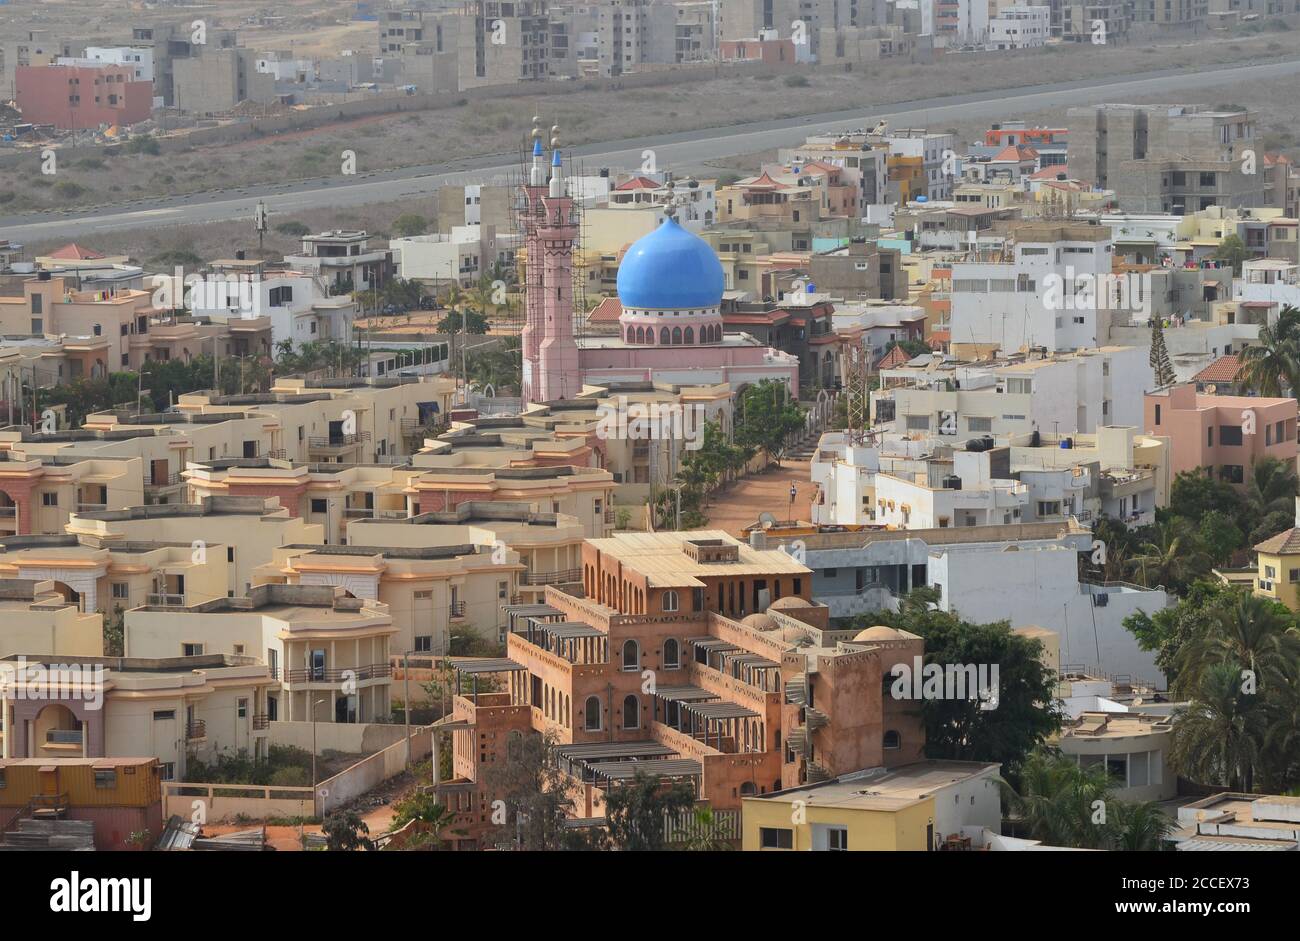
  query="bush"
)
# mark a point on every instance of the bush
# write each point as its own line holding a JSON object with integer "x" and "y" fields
{"x": 291, "y": 777}
{"x": 143, "y": 145}
{"x": 796, "y": 81}
{"x": 293, "y": 228}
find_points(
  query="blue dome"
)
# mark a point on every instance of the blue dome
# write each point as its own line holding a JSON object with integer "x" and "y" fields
{"x": 670, "y": 269}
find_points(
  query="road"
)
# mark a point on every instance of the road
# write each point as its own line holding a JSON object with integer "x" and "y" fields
{"x": 684, "y": 152}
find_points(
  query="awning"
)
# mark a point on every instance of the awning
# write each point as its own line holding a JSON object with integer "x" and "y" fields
{"x": 684, "y": 694}
{"x": 622, "y": 771}
{"x": 488, "y": 665}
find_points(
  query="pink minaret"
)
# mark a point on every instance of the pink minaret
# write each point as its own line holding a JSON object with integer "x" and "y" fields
{"x": 558, "y": 373}
{"x": 529, "y": 208}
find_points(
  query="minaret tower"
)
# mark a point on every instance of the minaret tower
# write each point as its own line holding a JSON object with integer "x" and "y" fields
{"x": 558, "y": 375}
{"x": 528, "y": 209}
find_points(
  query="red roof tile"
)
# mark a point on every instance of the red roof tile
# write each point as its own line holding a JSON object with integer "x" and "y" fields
{"x": 1223, "y": 369}
{"x": 74, "y": 252}
{"x": 895, "y": 357}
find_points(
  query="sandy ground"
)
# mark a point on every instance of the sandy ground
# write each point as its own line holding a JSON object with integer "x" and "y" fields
{"x": 740, "y": 505}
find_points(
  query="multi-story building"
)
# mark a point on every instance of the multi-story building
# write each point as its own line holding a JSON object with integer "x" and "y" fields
{"x": 321, "y": 647}
{"x": 82, "y": 94}
{"x": 173, "y": 42}
{"x": 1223, "y": 435}
{"x": 504, "y": 43}
{"x": 749, "y": 690}
{"x": 217, "y": 79}
{"x": 1019, "y": 27}
{"x": 344, "y": 260}
{"x": 1132, "y": 747}
{"x": 40, "y": 621}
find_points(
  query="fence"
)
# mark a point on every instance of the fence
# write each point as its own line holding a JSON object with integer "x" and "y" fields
{"x": 220, "y": 802}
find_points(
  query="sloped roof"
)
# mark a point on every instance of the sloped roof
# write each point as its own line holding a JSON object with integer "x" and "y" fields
{"x": 74, "y": 252}
{"x": 1051, "y": 173}
{"x": 1284, "y": 543}
{"x": 1223, "y": 369}
{"x": 639, "y": 183}
{"x": 895, "y": 357}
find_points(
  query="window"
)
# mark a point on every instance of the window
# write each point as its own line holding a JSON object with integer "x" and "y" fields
{"x": 105, "y": 778}
{"x": 164, "y": 715}
{"x": 673, "y": 651}
{"x": 775, "y": 838}
{"x": 1230, "y": 436}
{"x": 503, "y": 590}
{"x": 1049, "y": 507}
{"x": 670, "y": 601}
{"x": 918, "y": 422}
{"x": 121, "y": 590}
{"x": 591, "y": 714}
{"x": 631, "y": 656}
{"x": 837, "y": 839}
{"x": 892, "y": 741}
{"x": 979, "y": 424}
{"x": 317, "y": 505}
{"x": 1157, "y": 413}
{"x": 241, "y": 709}
{"x": 631, "y": 712}
{"x": 192, "y": 650}
{"x": 423, "y": 643}
{"x": 49, "y": 499}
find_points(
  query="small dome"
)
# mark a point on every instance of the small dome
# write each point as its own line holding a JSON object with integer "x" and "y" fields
{"x": 670, "y": 269}
{"x": 878, "y": 633}
{"x": 788, "y": 602}
{"x": 760, "y": 622}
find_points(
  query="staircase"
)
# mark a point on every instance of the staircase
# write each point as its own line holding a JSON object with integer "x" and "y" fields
{"x": 803, "y": 448}
{"x": 817, "y": 774}
{"x": 794, "y": 690}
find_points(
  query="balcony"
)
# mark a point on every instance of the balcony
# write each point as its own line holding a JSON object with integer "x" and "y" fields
{"x": 337, "y": 442}
{"x": 561, "y": 577}
{"x": 196, "y": 731}
{"x": 278, "y": 454}
{"x": 165, "y": 600}
{"x": 609, "y": 516}
{"x": 63, "y": 737}
{"x": 373, "y": 671}
{"x": 159, "y": 481}
{"x": 456, "y": 609}
{"x": 91, "y": 507}
{"x": 359, "y": 512}
{"x": 8, "y": 512}
{"x": 261, "y": 722}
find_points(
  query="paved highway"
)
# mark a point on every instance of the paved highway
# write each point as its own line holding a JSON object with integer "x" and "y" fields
{"x": 683, "y": 152}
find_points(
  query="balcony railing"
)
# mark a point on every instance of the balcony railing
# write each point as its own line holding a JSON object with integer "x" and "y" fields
{"x": 338, "y": 441}
{"x": 91, "y": 507}
{"x": 456, "y": 609}
{"x": 196, "y": 730}
{"x": 359, "y": 512}
{"x": 609, "y": 516}
{"x": 7, "y": 511}
{"x": 278, "y": 454}
{"x": 63, "y": 736}
{"x": 371, "y": 671}
{"x": 162, "y": 480}
{"x": 165, "y": 600}
{"x": 561, "y": 577}
{"x": 261, "y": 722}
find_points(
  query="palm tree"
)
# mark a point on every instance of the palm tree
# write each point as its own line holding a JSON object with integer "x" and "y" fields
{"x": 709, "y": 834}
{"x": 1272, "y": 362}
{"x": 1056, "y": 798}
{"x": 1137, "y": 826}
{"x": 1252, "y": 634}
{"x": 1170, "y": 556}
{"x": 1272, "y": 488}
{"x": 1218, "y": 737}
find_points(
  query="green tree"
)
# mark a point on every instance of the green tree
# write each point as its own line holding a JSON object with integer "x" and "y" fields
{"x": 1218, "y": 737}
{"x": 636, "y": 812}
{"x": 1160, "y": 362}
{"x": 409, "y": 224}
{"x": 1271, "y": 363}
{"x": 1220, "y": 536}
{"x": 1171, "y": 556}
{"x": 346, "y": 831}
{"x": 1232, "y": 250}
{"x": 1194, "y": 494}
{"x": 477, "y": 323}
{"x": 538, "y": 794}
{"x": 768, "y": 417}
{"x": 709, "y": 834}
{"x": 1252, "y": 632}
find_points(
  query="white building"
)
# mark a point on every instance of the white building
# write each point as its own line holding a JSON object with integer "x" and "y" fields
{"x": 1019, "y": 27}
{"x": 139, "y": 58}
{"x": 299, "y": 306}
{"x": 1066, "y": 394}
{"x": 933, "y": 149}
{"x": 1271, "y": 280}
{"x": 464, "y": 254}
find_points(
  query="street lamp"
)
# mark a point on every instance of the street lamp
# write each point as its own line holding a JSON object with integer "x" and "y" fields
{"x": 313, "y": 747}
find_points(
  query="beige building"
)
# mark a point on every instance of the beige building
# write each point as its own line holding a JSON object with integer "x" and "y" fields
{"x": 38, "y": 620}
{"x": 1134, "y": 748}
{"x": 328, "y": 654}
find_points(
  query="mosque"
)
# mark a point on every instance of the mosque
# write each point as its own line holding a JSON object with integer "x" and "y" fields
{"x": 670, "y": 287}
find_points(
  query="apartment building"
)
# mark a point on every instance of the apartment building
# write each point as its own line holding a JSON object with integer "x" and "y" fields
{"x": 862, "y": 163}
{"x": 173, "y": 708}
{"x": 244, "y": 531}
{"x": 108, "y": 321}
{"x": 1223, "y": 435}
{"x": 217, "y": 79}
{"x": 860, "y": 270}
{"x": 40, "y": 491}
{"x": 40, "y": 621}
{"x": 263, "y": 305}
{"x": 1166, "y": 158}
{"x": 751, "y": 691}
{"x": 504, "y": 43}
{"x": 632, "y": 34}
{"x": 328, "y": 655}
{"x": 172, "y": 42}
{"x": 1019, "y": 27}
{"x": 436, "y": 595}
{"x": 915, "y": 807}
{"x": 1063, "y": 394}
{"x": 585, "y": 493}
{"x": 549, "y": 545}
{"x": 463, "y": 256}
{"x": 343, "y": 260}
{"x": 81, "y": 94}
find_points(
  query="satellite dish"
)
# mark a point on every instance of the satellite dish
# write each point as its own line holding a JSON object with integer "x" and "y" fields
{"x": 1211, "y": 389}
{"x": 766, "y": 519}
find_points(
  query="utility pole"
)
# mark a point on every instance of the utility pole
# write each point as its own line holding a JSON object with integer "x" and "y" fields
{"x": 406, "y": 702}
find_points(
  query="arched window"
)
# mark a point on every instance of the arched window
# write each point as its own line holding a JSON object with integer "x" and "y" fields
{"x": 670, "y": 601}
{"x": 677, "y": 336}
{"x": 672, "y": 654}
{"x": 639, "y": 336}
{"x": 893, "y": 741}
{"x": 591, "y": 714}
{"x": 631, "y": 712}
{"x": 631, "y": 335}
{"x": 689, "y": 336}
{"x": 747, "y": 789}
{"x": 663, "y": 336}
{"x": 650, "y": 335}
{"x": 631, "y": 656}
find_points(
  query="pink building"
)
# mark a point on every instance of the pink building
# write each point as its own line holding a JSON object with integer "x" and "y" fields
{"x": 76, "y": 97}
{"x": 1225, "y": 434}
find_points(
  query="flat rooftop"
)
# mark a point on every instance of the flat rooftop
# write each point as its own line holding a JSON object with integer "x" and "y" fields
{"x": 887, "y": 791}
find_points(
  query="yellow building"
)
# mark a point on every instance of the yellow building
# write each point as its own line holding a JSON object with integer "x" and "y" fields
{"x": 914, "y": 807}
{"x": 1278, "y": 568}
